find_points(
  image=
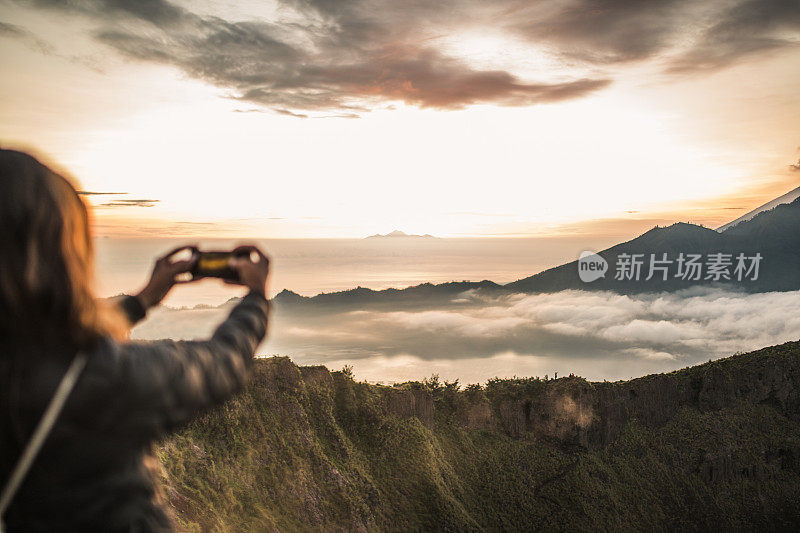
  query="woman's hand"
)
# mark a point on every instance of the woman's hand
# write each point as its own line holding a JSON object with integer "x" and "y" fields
{"x": 253, "y": 269}
{"x": 163, "y": 277}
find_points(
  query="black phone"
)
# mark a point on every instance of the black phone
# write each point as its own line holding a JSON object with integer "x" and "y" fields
{"x": 215, "y": 264}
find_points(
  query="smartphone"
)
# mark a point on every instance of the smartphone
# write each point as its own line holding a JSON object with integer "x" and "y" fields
{"x": 216, "y": 265}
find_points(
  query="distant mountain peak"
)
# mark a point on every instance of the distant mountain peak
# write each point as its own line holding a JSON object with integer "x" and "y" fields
{"x": 686, "y": 228}
{"x": 287, "y": 296}
{"x": 397, "y": 234}
{"x": 287, "y": 292}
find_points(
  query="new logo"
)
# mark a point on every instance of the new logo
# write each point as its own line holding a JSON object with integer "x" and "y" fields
{"x": 591, "y": 267}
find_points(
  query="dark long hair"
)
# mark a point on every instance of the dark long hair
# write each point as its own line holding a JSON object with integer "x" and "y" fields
{"x": 46, "y": 259}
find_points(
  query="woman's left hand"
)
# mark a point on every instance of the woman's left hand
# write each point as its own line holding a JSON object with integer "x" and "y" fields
{"x": 164, "y": 275}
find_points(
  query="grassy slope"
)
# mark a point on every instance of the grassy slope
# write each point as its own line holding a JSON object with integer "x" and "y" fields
{"x": 715, "y": 446}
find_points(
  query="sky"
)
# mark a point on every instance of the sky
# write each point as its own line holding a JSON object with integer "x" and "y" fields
{"x": 340, "y": 118}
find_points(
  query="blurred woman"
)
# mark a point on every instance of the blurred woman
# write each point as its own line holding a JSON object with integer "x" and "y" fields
{"x": 92, "y": 473}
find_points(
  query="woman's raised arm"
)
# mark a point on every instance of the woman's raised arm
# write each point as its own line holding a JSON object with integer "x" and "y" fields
{"x": 164, "y": 384}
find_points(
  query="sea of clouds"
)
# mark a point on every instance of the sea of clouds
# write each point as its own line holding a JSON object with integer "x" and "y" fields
{"x": 598, "y": 335}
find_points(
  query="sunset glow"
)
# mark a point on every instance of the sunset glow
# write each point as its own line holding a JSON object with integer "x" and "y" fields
{"x": 474, "y": 132}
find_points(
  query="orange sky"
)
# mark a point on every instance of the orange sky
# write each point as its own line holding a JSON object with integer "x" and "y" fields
{"x": 289, "y": 120}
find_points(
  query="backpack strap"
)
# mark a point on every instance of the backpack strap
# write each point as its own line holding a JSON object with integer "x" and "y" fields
{"x": 42, "y": 430}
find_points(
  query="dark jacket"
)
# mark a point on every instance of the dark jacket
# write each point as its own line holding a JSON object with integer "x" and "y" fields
{"x": 92, "y": 473}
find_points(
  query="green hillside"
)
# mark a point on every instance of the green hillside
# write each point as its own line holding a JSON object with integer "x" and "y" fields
{"x": 712, "y": 447}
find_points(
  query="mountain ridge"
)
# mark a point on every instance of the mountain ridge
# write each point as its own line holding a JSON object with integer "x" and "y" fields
{"x": 783, "y": 199}
{"x": 774, "y": 233}
{"x": 304, "y": 448}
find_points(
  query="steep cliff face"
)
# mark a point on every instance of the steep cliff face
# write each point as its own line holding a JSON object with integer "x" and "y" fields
{"x": 711, "y": 447}
{"x": 573, "y": 411}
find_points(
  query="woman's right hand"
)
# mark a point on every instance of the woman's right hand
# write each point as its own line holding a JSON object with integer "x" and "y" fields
{"x": 253, "y": 269}
{"x": 164, "y": 277}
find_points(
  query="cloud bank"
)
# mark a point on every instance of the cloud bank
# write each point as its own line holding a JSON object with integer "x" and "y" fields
{"x": 348, "y": 56}
{"x": 598, "y": 335}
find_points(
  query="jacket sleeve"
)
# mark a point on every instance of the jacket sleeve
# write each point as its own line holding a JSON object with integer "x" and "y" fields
{"x": 131, "y": 307}
{"x": 166, "y": 383}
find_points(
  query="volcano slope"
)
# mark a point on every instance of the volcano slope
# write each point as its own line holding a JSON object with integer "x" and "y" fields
{"x": 710, "y": 447}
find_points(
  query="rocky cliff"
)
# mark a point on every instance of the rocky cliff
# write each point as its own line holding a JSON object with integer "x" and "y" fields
{"x": 716, "y": 446}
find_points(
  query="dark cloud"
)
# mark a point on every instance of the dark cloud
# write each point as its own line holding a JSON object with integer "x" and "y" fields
{"x": 11, "y": 30}
{"x": 744, "y": 29}
{"x": 136, "y": 202}
{"x": 25, "y": 36}
{"x": 718, "y": 33}
{"x": 605, "y": 31}
{"x": 121, "y": 202}
{"x": 347, "y": 56}
{"x": 30, "y": 40}
{"x": 251, "y": 59}
{"x": 157, "y": 12}
{"x": 96, "y": 193}
{"x": 290, "y": 113}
